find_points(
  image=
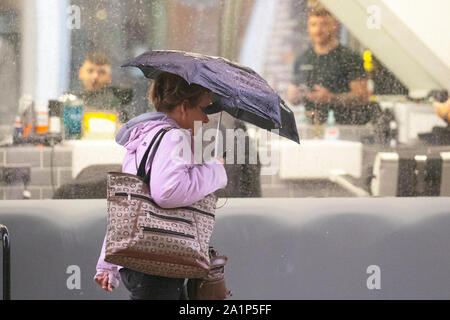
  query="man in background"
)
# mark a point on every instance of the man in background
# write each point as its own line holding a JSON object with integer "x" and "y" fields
{"x": 98, "y": 94}
{"x": 328, "y": 75}
{"x": 95, "y": 73}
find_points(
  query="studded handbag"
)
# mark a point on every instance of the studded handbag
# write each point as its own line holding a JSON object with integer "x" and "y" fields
{"x": 147, "y": 238}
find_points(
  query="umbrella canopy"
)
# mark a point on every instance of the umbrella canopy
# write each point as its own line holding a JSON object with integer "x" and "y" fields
{"x": 238, "y": 90}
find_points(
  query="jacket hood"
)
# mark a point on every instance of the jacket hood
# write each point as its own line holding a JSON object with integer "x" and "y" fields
{"x": 132, "y": 133}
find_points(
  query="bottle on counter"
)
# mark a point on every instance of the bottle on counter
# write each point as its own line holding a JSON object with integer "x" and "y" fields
{"x": 72, "y": 116}
{"x": 55, "y": 113}
{"x": 18, "y": 130}
{"x": 302, "y": 115}
{"x": 331, "y": 131}
{"x": 318, "y": 127}
{"x": 27, "y": 114}
{"x": 393, "y": 130}
{"x": 369, "y": 66}
{"x": 301, "y": 120}
{"x": 41, "y": 111}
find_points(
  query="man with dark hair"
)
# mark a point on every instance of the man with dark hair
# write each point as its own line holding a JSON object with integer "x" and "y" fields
{"x": 95, "y": 73}
{"x": 328, "y": 75}
{"x": 98, "y": 94}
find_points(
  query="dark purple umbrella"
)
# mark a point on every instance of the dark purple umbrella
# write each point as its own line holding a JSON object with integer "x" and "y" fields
{"x": 239, "y": 90}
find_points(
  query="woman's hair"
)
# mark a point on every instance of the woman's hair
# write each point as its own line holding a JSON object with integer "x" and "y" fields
{"x": 169, "y": 90}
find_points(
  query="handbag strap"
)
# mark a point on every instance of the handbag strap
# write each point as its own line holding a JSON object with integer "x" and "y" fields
{"x": 141, "y": 171}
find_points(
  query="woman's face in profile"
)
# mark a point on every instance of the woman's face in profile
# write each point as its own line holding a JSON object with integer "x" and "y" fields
{"x": 196, "y": 113}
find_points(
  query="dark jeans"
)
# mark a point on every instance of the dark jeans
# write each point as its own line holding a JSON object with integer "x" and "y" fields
{"x": 147, "y": 287}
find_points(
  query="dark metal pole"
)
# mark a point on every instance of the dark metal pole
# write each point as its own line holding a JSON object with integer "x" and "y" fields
{"x": 6, "y": 263}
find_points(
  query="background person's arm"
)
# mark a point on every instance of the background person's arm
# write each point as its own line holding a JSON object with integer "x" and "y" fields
{"x": 357, "y": 96}
{"x": 443, "y": 109}
{"x": 296, "y": 94}
{"x": 293, "y": 96}
{"x": 296, "y": 91}
{"x": 353, "y": 70}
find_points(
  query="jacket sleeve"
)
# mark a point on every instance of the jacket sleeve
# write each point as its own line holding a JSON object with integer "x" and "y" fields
{"x": 176, "y": 180}
{"x": 106, "y": 267}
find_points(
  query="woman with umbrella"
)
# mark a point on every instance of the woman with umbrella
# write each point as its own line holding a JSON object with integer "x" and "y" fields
{"x": 173, "y": 183}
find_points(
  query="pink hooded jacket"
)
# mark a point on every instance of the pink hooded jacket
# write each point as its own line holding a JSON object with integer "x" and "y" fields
{"x": 175, "y": 181}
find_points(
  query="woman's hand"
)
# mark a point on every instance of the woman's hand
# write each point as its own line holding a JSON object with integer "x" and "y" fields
{"x": 102, "y": 280}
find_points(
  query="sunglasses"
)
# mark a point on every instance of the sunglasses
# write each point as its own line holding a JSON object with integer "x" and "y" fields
{"x": 215, "y": 106}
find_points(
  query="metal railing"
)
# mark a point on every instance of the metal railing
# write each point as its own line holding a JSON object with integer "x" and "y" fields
{"x": 6, "y": 262}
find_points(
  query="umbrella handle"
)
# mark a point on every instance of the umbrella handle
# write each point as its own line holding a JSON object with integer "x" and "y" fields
{"x": 216, "y": 148}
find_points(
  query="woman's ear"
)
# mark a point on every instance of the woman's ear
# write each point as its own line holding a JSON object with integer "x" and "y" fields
{"x": 184, "y": 108}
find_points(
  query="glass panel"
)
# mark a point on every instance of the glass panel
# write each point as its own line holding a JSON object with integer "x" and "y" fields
{"x": 366, "y": 86}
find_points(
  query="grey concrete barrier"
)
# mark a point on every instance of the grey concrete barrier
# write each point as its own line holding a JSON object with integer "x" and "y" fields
{"x": 278, "y": 248}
